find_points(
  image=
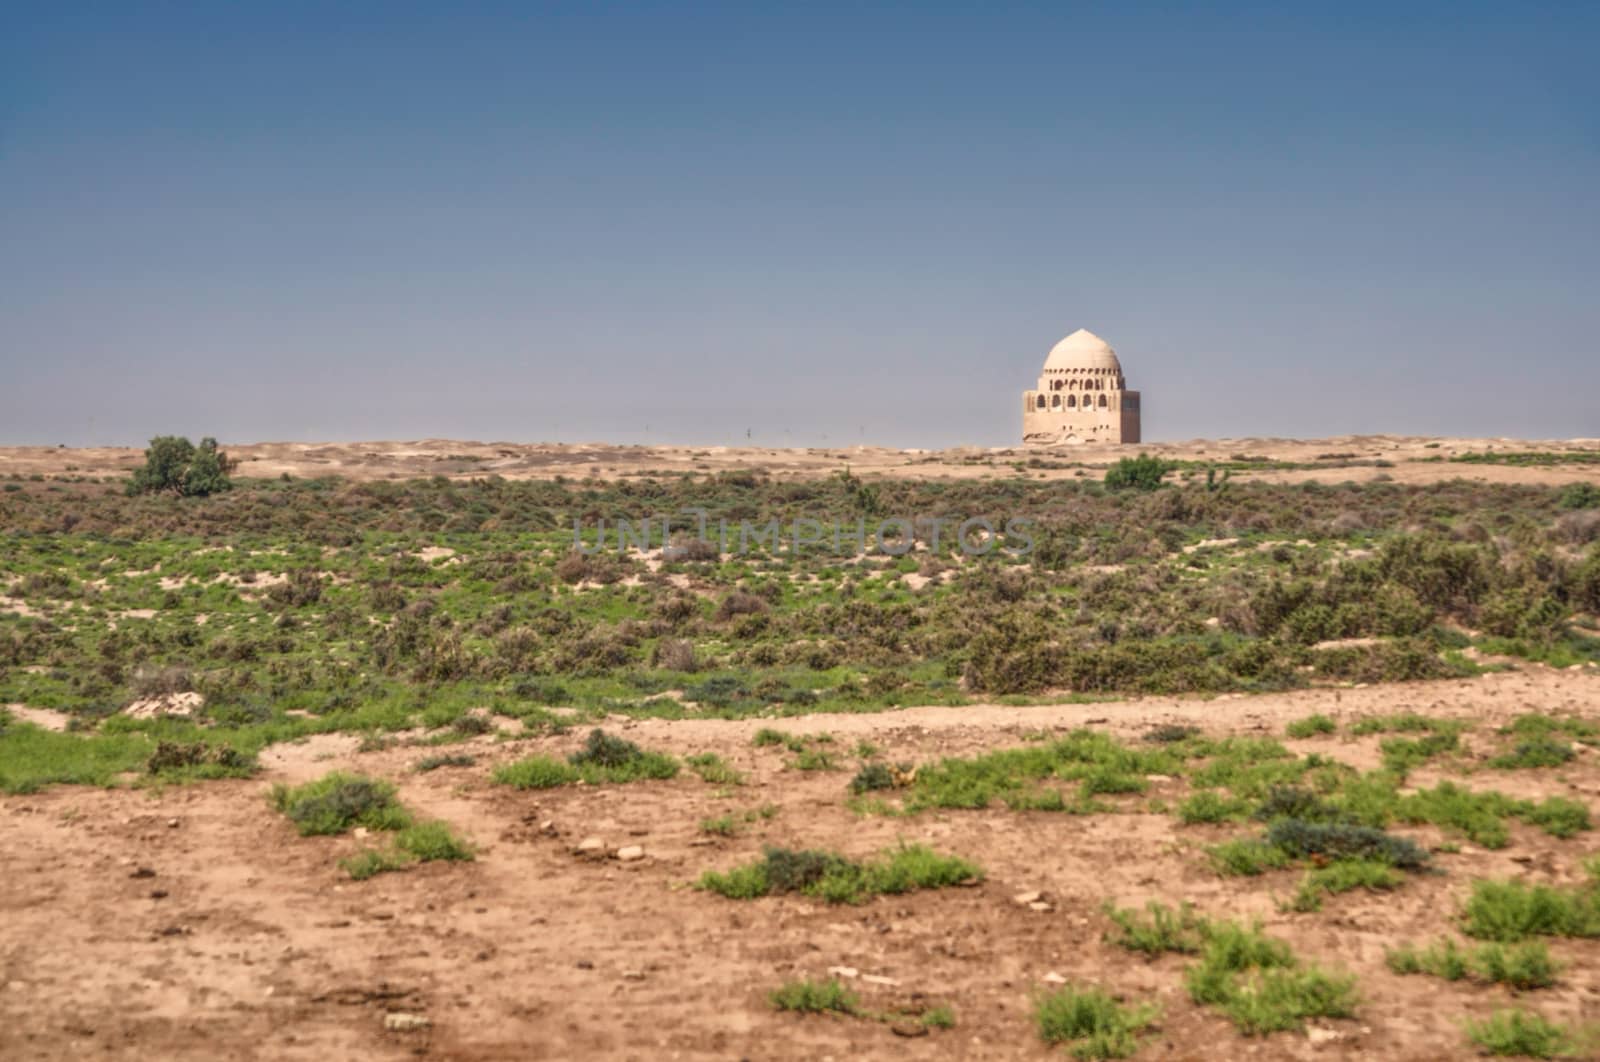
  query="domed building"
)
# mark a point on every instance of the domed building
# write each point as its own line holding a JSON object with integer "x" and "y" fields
{"x": 1081, "y": 396}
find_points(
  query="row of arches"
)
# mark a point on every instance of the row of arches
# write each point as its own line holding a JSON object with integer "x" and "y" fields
{"x": 1072, "y": 402}
{"x": 1074, "y": 385}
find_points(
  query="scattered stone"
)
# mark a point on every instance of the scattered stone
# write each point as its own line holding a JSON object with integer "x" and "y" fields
{"x": 633, "y": 975}
{"x": 1319, "y": 1035}
{"x": 143, "y": 872}
{"x": 630, "y": 853}
{"x": 400, "y": 1021}
{"x": 591, "y": 846}
{"x": 360, "y": 833}
{"x": 843, "y": 971}
{"x": 908, "y": 1028}
{"x": 1053, "y": 978}
{"x": 1023, "y": 899}
{"x": 1040, "y": 906}
{"x": 172, "y": 824}
{"x": 878, "y": 979}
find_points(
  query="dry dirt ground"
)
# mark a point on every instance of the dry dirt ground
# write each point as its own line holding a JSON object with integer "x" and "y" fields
{"x": 1413, "y": 458}
{"x": 193, "y": 922}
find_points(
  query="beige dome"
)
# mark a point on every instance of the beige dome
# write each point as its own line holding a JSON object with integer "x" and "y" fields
{"x": 1082, "y": 350}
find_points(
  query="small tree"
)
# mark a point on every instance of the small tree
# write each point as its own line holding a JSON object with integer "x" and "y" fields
{"x": 1136, "y": 473}
{"x": 174, "y": 465}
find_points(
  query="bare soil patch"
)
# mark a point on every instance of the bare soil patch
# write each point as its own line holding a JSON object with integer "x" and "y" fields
{"x": 193, "y": 922}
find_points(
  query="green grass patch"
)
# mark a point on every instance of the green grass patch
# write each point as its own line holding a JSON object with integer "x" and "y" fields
{"x": 1157, "y": 929}
{"x": 815, "y": 997}
{"x": 1344, "y": 875}
{"x": 1311, "y": 726}
{"x": 1523, "y": 965}
{"x": 1514, "y": 910}
{"x": 1211, "y": 807}
{"x": 1524, "y": 1034}
{"x": 831, "y": 877}
{"x": 1533, "y": 753}
{"x": 32, "y": 757}
{"x": 338, "y": 802}
{"x": 714, "y": 769}
{"x": 1090, "y": 1022}
{"x": 1097, "y": 762}
{"x": 604, "y": 759}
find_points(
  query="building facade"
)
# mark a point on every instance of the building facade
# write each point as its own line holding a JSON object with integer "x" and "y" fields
{"x": 1081, "y": 397}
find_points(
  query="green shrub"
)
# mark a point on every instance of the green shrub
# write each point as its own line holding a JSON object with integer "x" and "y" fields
{"x": 535, "y": 772}
{"x": 338, "y": 802}
{"x": 1247, "y": 856}
{"x": 1297, "y": 837}
{"x": 1281, "y": 999}
{"x": 1160, "y": 930}
{"x": 1344, "y": 875}
{"x": 603, "y": 759}
{"x": 1521, "y": 1034}
{"x": 1537, "y": 752}
{"x": 1141, "y": 473}
{"x": 1557, "y": 816}
{"x": 370, "y": 862}
{"x": 1209, "y": 806}
{"x": 174, "y": 465}
{"x": 433, "y": 841}
{"x": 438, "y": 760}
{"x": 831, "y": 877}
{"x": 1091, "y": 1021}
{"x": 815, "y": 997}
{"x": 1311, "y": 726}
{"x": 1514, "y": 910}
{"x": 713, "y": 769}
{"x": 1260, "y": 985}
{"x": 871, "y": 777}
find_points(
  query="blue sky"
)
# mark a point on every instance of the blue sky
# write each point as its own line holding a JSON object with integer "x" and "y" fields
{"x": 822, "y": 223}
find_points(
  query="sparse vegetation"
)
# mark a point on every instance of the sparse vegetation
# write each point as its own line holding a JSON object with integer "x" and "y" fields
{"x": 338, "y": 802}
{"x": 1311, "y": 726}
{"x": 1523, "y": 966}
{"x": 604, "y": 759}
{"x": 1521, "y": 1034}
{"x": 1090, "y": 1022}
{"x": 831, "y": 877}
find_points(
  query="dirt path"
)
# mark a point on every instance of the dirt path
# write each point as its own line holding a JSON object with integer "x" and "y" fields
{"x": 193, "y": 923}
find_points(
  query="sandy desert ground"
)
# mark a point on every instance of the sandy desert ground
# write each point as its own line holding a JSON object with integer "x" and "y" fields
{"x": 191, "y": 921}
{"x": 1409, "y": 459}
{"x": 194, "y": 923}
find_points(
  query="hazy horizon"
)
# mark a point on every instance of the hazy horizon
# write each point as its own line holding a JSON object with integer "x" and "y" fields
{"x": 822, "y": 225}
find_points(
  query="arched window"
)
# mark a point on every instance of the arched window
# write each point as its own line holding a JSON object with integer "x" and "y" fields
{"x": 1041, "y": 402}
{"x": 1102, "y": 401}
{"x": 1072, "y": 401}
{"x": 1055, "y": 402}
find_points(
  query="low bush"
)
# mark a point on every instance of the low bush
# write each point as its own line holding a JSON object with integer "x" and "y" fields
{"x": 1523, "y": 966}
{"x": 1090, "y": 1021}
{"x": 1521, "y": 1034}
{"x": 1344, "y": 875}
{"x": 815, "y": 997}
{"x": 1511, "y": 910}
{"x": 603, "y": 759}
{"x": 338, "y": 802}
{"x": 1159, "y": 929}
{"x": 831, "y": 877}
{"x": 1311, "y": 726}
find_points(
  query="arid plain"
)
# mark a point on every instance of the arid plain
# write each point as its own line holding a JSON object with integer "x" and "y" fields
{"x": 1333, "y": 705}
